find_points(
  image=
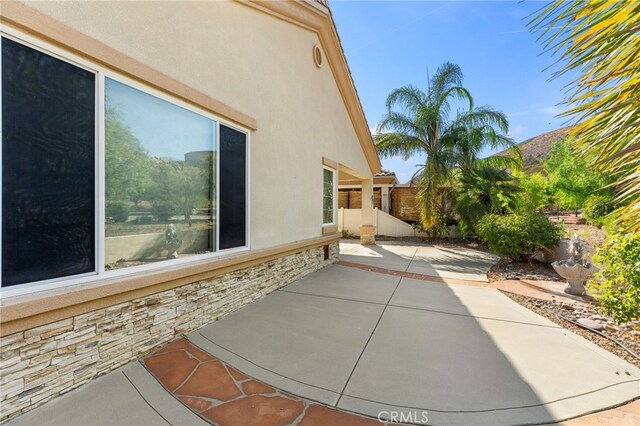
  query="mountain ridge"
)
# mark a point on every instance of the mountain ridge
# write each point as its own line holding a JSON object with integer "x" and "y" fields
{"x": 536, "y": 149}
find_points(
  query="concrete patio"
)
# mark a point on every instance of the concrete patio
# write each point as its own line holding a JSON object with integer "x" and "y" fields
{"x": 437, "y": 261}
{"x": 369, "y": 343}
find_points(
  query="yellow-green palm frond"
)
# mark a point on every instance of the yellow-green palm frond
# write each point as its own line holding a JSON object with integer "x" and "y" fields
{"x": 599, "y": 41}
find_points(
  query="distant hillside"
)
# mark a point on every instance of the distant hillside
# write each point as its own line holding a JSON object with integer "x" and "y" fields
{"x": 536, "y": 149}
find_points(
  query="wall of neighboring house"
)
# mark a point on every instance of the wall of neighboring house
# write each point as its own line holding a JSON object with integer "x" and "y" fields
{"x": 404, "y": 204}
{"x": 352, "y": 198}
{"x": 262, "y": 67}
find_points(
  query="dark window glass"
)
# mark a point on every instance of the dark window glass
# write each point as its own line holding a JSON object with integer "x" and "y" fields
{"x": 233, "y": 188}
{"x": 48, "y": 157}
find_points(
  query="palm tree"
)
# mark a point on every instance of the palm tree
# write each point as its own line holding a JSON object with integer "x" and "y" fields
{"x": 598, "y": 42}
{"x": 473, "y": 135}
{"x": 483, "y": 190}
{"x": 496, "y": 189}
{"x": 419, "y": 123}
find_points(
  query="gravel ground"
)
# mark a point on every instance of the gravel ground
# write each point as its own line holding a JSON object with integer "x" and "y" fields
{"x": 628, "y": 334}
{"x": 591, "y": 234}
{"x": 505, "y": 269}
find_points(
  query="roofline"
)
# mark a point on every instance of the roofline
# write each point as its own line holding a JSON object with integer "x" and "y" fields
{"x": 315, "y": 17}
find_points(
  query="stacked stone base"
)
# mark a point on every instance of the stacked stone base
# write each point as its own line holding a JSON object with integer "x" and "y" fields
{"x": 39, "y": 364}
{"x": 367, "y": 235}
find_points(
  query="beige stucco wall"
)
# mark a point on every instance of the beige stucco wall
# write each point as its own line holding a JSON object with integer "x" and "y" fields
{"x": 257, "y": 64}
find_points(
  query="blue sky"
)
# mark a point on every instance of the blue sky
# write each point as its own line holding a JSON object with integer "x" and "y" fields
{"x": 164, "y": 129}
{"x": 390, "y": 44}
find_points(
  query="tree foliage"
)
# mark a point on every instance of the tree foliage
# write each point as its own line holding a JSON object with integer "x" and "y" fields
{"x": 484, "y": 190}
{"x": 536, "y": 192}
{"x": 597, "y": 207}
{"x": 127, "y": 165}
{"x": 178, "y": 189}
{"x": 598, "y": 41}
{"x": 570, "y": 178}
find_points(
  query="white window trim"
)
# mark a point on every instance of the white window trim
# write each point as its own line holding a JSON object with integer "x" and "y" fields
{"x": 334, "y": 199}
{"x": 100, "y": 273}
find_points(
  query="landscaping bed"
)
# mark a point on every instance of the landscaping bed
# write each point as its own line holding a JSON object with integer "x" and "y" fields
{"x": 593, "y": 235}
{"x": 506, "y": 269}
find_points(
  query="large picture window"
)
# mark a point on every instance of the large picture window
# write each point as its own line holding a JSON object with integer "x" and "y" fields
{"x": 174, "y": 177}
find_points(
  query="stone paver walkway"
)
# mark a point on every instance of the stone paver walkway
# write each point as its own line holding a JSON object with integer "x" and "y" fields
{"x": 226, "y": 397}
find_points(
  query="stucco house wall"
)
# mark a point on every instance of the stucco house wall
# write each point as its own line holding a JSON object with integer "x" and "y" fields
{"x": 259, "y": 65}
{"x": 249, "y": 63}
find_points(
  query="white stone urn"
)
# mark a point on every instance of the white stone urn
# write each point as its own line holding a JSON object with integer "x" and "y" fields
{"x": 575, "y": 270}
{"x": 172, "y": 242}
{"x": 576, "y": 275}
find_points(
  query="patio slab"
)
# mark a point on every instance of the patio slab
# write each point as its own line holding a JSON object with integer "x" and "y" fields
{"x": 483, "y": 372}
{"x": 304, "y": 344}
{"x": 398, "y": 256}
{"x": 463, "y": 354}
{"x": 480, "y": 302}
{"x": 437, "y": 261}
{"x": 347, "y": 283}
{"x": 129, "y": 396}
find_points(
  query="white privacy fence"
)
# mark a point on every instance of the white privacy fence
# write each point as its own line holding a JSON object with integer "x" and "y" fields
{"x": 351, "y": 219}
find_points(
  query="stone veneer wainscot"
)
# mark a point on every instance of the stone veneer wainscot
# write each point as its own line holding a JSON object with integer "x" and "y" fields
{"x": 41, "y": 363}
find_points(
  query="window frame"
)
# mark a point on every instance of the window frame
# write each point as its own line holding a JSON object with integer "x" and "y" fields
{"x": 334, "y": 198}
{"x": 101, "y": 72}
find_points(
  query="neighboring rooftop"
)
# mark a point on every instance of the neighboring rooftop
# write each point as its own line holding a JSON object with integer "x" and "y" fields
{"x": 384, "y": 172}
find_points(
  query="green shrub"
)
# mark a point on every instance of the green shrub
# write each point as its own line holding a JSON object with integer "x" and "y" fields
{"x": 347, "y": 234}
{"x": 437, "y": 230}
{"x": 519, "y": 237}
{"x": 469, "y": 212}
{"x": 617, "y": 285}
{"x": 144, "y": 220}
{"x": 596, "y": 208}
{"x": 162, "y": 211}
{"x": 118, "y": 210}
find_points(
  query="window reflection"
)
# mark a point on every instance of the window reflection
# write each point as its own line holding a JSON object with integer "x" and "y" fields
{"x": 327, "y": 197}
{"x": 159, "y": 179}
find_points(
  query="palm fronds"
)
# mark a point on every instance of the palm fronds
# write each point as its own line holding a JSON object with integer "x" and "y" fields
{"x": 418, "y": 122}
{"x": 599, "y": 41}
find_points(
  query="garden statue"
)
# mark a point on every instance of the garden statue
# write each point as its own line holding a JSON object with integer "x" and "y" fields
{"x": 575, "y": 270}
{"x": 172, "y": 242}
